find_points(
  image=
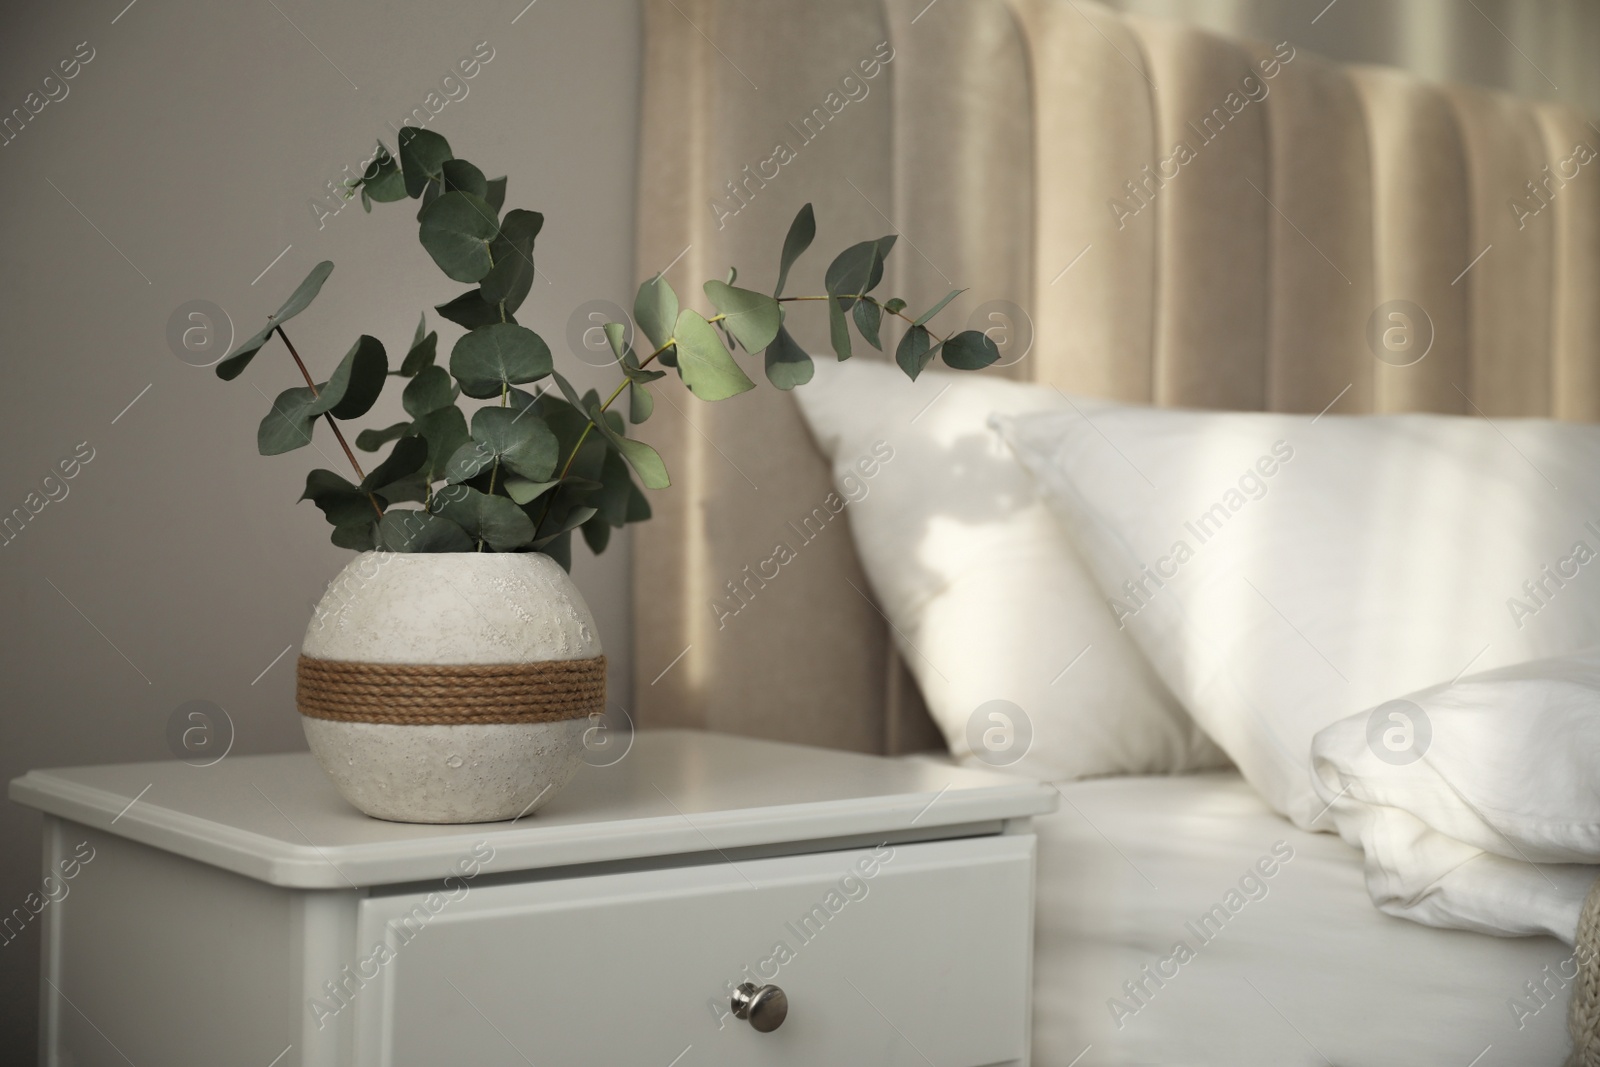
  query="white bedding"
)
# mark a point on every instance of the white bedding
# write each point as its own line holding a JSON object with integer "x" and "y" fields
{"x": 1288, "y": 575}
{"x": 1308, "y": 973}
{"x": 1282, "y": 572}
{"x": 1477, "y": 802}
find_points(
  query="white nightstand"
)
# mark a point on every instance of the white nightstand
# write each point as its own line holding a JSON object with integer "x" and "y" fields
{"x": 241, "y": 912}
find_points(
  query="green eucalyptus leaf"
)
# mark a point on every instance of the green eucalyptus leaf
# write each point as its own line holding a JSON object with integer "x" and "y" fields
{"x": 894, "y": 306}
{"x": 789, "y": 365}
{"x": 628, "y": 359}
{"x": 382, "y": 180}
{"x": 915, "y": 351}
{"x": 970, "y": 350}
{"x": 493, "y": 520}
{"x": 521, "y": 398}
{"x": 467, "y": 462}
{"x": 471, "y": 310}
{"x": 424, "y": 348}
{"x": 236, "y": 361}
{"x": 520, "y": 439}
{"x": 573, "y": 519}
{"x": 372, "y": 440}
{"x": 524, "y": 491}
{"x": 857, "y": 270}
{"x": 707, "y": 367}
{"x": 340, "y": 502}
{"x": 358, "y": 537}
{"x": 411, "y": 487}
{"x": 358, "y": 379}
{"x": 420, "y": 356}
{"x": 445, "y": 430}
{"x": 753, "y": 318}
{"x": 408, "y": 530}
{"x": 640, "y": 456}
{"x": 617, "y": 337}
{"x": 565, "y": 421}
{"x": 303, "y": 293}
{"x": 430, "y": 192}
{"x": 348, "y": 394}
{"x": 422, "y": 157}
{"x": 512, "y": 276}
{"x": 288, "y": 425}
{"x": 641, "y": 405}
{"x": 240, "y": 357}
{"x": 838, "y": 328}
{"x": 931, "y": 312}
{"x": 550, "y": 513}
{"x": 569, "y": 392}
{"x": 492, "y": 357}
{"x": 869, "y": 319}
{"x": 495, "y": 194}
{"x": 457, "y": 229}
{"x": 801, "y": 233}
{"x": 430, "y": 390}
{"x": 596, "y": 534}
{"x": 464, "y": 177}
{"x": 615, "y": 482}
{"x": 655, "y": 310}
{"x": 407, "y": 458}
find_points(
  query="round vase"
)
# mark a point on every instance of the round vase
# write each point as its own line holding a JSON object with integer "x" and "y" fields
{"x": 450, "y": 687}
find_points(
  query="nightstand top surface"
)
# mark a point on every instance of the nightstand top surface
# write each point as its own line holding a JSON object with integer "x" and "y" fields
{"x": 279, "y": 819}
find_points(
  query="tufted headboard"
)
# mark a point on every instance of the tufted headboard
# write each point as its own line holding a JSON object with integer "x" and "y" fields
{"x": 1140, "y": 210}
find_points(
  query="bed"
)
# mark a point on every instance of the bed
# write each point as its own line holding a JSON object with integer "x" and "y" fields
{"x": 1309, "y": 972}
{"x": 1008, "y": 145}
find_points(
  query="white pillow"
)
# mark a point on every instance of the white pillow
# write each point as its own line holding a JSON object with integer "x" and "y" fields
{"x": 987, "y": 598}
{"x": 1284, "y": 571}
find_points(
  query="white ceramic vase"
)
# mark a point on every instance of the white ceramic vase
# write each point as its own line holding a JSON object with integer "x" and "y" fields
{"x": 450, "y": 608}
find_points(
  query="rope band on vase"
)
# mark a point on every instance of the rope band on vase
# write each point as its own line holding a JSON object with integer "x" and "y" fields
{"x": 1583, "y": 1013}
{"x": 450, "y": 694}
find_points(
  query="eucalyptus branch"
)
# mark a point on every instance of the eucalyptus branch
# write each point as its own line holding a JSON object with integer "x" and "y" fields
{"x": 332, "y": 425}
{"x": 494, "y": 470}
{"x": 871, "y": 300}
{"x": 572, "y": 457}
{"x": 911, "y": 321}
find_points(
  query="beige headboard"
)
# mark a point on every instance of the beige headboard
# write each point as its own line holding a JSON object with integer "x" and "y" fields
{"x": 1007, "y": 145}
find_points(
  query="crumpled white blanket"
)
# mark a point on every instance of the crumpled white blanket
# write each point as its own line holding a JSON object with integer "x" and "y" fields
{"x": 1477, "y": 803}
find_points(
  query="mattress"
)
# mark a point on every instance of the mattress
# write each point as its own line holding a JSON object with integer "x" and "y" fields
{"x": 1182, "y": 922}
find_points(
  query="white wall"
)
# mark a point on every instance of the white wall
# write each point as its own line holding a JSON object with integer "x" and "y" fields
{"x": 178, "y": 565}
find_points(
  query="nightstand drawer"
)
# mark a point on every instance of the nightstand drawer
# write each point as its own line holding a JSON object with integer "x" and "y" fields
{"x": 901, "y": 955}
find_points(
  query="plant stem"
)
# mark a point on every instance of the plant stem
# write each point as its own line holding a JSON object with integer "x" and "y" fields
{"x": 912, "y": 321}
{"x": 584, "y": 436}
{"x": 494, "y": 470}
{"x": 870, "y": 300}
{"x": 572, "y": 457}
{"x": 334, "y": 426}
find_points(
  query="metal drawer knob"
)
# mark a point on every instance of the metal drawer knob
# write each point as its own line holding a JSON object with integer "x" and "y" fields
{"x": 766, "y": 1007}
